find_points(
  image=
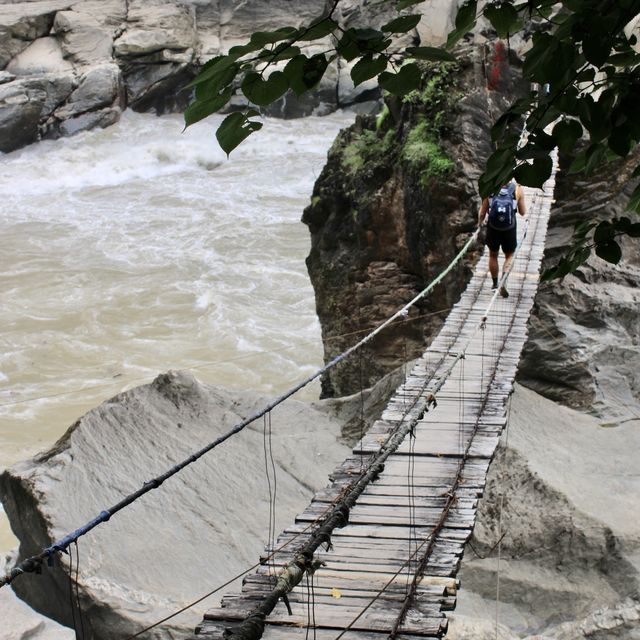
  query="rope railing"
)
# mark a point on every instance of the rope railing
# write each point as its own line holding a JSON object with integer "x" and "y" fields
{"x": 34, "y": 563}
{"x": 252, "y": 627}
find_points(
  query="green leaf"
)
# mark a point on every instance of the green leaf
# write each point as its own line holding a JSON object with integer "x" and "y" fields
{"x": 200, "y": 109}
{"x": 283, "y": 51}
{"x": 403, "y": 4}
{"x": 401, "y": 83}
{"x": 402, "y": 24}
{"x": 620, "y": 141}
{"x": 503, "y": 17}
{"x": 434, "y": 54}
{"x": 235, "y": 128}
{"x": 566, "y": 134}
{"x": 596, "y": 49}
{"x": 262, "y": 38}
{"x": 465, "y": 19}
{"x": 609, "y": 251}
{"x": 367, "y": 67}
{"x": 214, "y": 69}
{"x": 534, "y": 175}
{"x": 318, "y": 30}
{"x": 304, "y": 73}
{"x": 264, "y": 92}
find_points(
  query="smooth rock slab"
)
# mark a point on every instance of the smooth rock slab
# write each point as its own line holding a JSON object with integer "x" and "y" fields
{"x": 178, "y": 542}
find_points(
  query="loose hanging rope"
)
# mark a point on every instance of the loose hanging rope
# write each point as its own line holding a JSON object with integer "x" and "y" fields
{"x": 33, "y": 563}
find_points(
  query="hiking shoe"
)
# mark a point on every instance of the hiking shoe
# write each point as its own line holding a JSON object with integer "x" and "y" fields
{"x": 494, "y": 286}
{"x": 503, "y": 292}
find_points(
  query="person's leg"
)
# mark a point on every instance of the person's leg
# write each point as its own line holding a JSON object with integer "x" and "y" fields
{"x": 508, "y": 258}
{"x": 493, "y": 268}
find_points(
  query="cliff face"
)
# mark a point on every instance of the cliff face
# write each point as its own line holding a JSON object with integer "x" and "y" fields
{"x": 71, "y": 65}
{"x": 395, "y": 202}
{"x": 584, "y": 334}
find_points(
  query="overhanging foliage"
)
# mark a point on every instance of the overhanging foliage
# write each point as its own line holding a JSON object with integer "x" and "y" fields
{"x": 583, "y": 61}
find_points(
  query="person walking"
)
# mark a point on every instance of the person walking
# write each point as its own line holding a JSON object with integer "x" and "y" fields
{"x": 502, "y": 227}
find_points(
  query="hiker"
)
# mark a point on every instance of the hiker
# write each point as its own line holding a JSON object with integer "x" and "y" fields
{"x": 501, "y": 227}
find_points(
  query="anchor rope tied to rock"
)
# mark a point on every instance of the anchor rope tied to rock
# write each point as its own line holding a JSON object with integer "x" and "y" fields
{"x": 34, "y": 563}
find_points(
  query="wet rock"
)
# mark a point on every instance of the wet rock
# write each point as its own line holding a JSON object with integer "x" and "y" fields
{"x": 199, "y": 529}
{"x": 43, "y": 55}
{"x": 23, "y": 22}
{"x": 21, "y": 109}
{"x": 99, "y": 87}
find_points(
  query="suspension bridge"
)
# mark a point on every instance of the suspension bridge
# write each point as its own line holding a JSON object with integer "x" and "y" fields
{"x": 375, "y": 554}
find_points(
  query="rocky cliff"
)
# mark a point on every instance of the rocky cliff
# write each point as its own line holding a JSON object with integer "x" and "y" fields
{"x": 395, "y": 202}
{"x": 71, "y": 65}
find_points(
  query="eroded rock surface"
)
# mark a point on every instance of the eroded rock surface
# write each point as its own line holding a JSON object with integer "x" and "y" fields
{"x": 584, "y": 336}
{"x": 562, "y": 495}
{"x": 210, "y": 521}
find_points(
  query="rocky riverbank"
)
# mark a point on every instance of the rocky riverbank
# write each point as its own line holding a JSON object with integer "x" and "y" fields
{"x": 71, "y": 65}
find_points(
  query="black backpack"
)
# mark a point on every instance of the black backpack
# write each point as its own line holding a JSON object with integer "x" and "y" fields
{"x": 502, "y": 208}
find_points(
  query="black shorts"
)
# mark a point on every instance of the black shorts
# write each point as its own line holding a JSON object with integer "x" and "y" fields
{"x": 507, "y": 239}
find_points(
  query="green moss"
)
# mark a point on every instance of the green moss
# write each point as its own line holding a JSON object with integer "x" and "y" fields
{"x": 315, "y": 200}
{"x": 434, "y": 102}
{"x": 366, "y": 147}
{"x": 423, "y": 153}
{"x": 381, "y": 117}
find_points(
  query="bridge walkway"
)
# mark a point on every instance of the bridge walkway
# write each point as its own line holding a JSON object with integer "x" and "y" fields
{"x": 390, "y": 571}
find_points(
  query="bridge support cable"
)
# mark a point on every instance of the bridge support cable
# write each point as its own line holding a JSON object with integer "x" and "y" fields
{"x": 34, "y": 563}
{"x": 357, "y": 576}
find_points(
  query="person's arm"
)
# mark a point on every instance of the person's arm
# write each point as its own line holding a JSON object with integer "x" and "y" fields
{"x": 484, "y": 207}
{"x": 522, "y": 208}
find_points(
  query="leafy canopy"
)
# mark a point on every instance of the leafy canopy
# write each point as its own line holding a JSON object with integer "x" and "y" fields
{"x": 583, "y": 57}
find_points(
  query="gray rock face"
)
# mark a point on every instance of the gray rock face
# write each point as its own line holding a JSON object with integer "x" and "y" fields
{"x": 584, "y": 335}
{"x": 158, "y": 46}
{"x": 563, "y": 497}
{"x": 197, "y": 531}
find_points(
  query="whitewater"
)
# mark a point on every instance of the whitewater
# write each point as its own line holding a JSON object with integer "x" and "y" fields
{"x": 141, "y": 248}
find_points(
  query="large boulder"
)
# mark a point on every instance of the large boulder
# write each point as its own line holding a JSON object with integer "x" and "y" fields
{"x": 42, "y": 56}
{"x": 583, "y": 336}
{"x": 195, "y": 532}
{"x": 558, "y": 525}
{"x": 83, "y": 38}
{"x": 23, "y": 22}
{"x": 21, "y": 110}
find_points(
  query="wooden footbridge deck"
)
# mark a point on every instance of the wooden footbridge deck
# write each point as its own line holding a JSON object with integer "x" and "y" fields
{"x": 389, "y": 569}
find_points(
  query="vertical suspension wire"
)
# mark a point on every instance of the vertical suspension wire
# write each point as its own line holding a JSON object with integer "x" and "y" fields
{"x": 500, "y": 511}
{"x": 77, "y": 588}
{"x": 72, "y": 603}
{"x": 361, "y": 435}
{"x": 313, "y": 604}
{"x": 270, "y": 473}
{"x": 308, "y": 589}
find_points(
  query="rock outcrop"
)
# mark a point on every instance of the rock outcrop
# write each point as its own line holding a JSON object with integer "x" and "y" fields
{"x": 200, "y": 529}
{"x": 562, "y": 502}
{"x": 584, "y": 333}
{"x": 395, "y": 202}
{"x": 147, "y": 51}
